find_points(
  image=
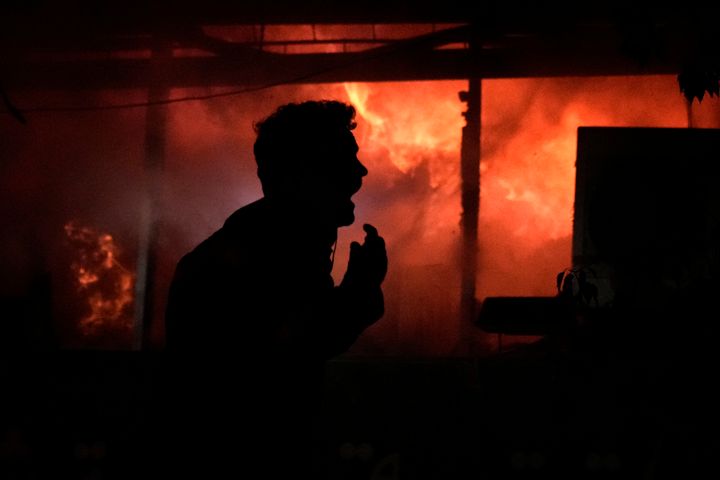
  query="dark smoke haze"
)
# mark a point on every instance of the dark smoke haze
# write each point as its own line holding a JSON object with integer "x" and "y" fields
{"x": 88, "y": 167}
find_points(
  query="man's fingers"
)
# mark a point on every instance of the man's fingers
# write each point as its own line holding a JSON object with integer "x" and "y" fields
{"x": 372, "y": 238}
{"x": 370, "y": 230}
{"x": 368, "y": 262}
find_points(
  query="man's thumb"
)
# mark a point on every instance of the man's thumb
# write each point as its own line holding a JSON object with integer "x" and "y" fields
{"x": 355, "y": 248}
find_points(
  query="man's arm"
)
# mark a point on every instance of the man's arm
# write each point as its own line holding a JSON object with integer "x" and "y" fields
{"x": 179, "y": 312}
{"x": 356, "y": 303}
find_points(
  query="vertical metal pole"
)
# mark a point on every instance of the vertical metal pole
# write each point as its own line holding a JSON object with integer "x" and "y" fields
{"x": 470, "y": 173}
{"x": 155, "y": 136}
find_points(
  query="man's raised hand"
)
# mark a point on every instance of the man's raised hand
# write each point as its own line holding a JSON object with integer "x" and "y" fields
{"x": 368, "y": 262}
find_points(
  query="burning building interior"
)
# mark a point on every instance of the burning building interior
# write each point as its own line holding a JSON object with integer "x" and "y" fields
{"x": 545, "y": 182}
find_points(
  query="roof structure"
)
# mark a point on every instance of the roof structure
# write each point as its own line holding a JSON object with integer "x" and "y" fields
{"x": 129, "y": 44}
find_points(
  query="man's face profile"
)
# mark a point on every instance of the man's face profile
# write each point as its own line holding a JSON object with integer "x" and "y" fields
{"x": 307, "y": 161}
{"x": 335, "y": 177}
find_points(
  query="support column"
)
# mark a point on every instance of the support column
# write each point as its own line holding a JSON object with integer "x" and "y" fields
{"x": 470, "y": 174}
{"x": 155, "y": 139}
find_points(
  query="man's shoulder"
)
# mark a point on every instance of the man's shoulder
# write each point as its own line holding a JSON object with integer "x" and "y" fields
{"x": 233, "y": 243}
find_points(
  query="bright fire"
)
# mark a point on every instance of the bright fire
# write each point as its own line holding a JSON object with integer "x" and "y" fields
{"x": 409, "y": 138}
{"x": 409, "y": 134}
{"x": 101, "y": 280}
{"x": 529, "y": 130}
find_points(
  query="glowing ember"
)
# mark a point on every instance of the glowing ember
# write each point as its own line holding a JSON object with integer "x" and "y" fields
{"x": 101, "y": 280}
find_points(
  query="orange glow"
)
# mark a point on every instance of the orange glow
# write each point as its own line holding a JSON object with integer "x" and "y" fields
{"x": 529, "y": 130}
{"x": 409, "y": 135}
{"x": 105, "y": 285}
{"x": 528, "y": 180}
{"x": 534, "y": 174}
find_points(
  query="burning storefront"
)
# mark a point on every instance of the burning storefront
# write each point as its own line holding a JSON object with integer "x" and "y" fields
{"x": 137, "y": 144}
{"x": 409, "y": 135}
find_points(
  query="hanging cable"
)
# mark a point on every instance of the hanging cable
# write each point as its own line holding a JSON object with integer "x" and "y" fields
{"x": 372, "y": 55}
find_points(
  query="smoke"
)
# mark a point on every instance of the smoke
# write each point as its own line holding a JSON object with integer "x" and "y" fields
{"x": 210, "y": 172}
{"x": 529, "y": 147}
{"x": 83, "y": 167}
{"x": 88, "y": 167}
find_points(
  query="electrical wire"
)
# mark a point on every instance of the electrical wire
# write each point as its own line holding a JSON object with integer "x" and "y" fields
{"x": 382, "y": 51}
{"x": 167, "y": 101}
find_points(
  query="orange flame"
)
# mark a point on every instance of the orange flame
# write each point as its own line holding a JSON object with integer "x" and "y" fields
{"x": 106, "y": 285}
{"x": 409, "y": 133}
{"x": 409, "y": 136}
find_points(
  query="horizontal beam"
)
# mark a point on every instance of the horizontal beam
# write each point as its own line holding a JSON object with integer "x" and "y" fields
{"x": 258, "y": 69}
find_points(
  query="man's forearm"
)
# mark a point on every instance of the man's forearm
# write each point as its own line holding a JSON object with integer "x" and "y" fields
{"x": 344, "y": 318}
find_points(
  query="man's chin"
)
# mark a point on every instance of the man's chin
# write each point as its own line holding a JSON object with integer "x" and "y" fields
{"x": 346, "y": 216}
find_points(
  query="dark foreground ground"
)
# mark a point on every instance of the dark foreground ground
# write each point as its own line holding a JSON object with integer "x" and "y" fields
{"x": 556, "y": 409}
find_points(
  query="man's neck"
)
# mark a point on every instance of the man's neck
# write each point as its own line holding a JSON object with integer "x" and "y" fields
{"x": 292, "y": 217}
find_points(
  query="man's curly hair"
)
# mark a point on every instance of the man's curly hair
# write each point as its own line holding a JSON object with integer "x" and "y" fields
{"x": 294, "y": 133}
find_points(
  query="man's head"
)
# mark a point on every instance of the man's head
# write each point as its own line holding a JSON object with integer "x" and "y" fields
{"x": 307, "y": 158}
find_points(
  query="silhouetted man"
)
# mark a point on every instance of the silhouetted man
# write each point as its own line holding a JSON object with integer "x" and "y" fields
{"x": 253, "y": 312}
